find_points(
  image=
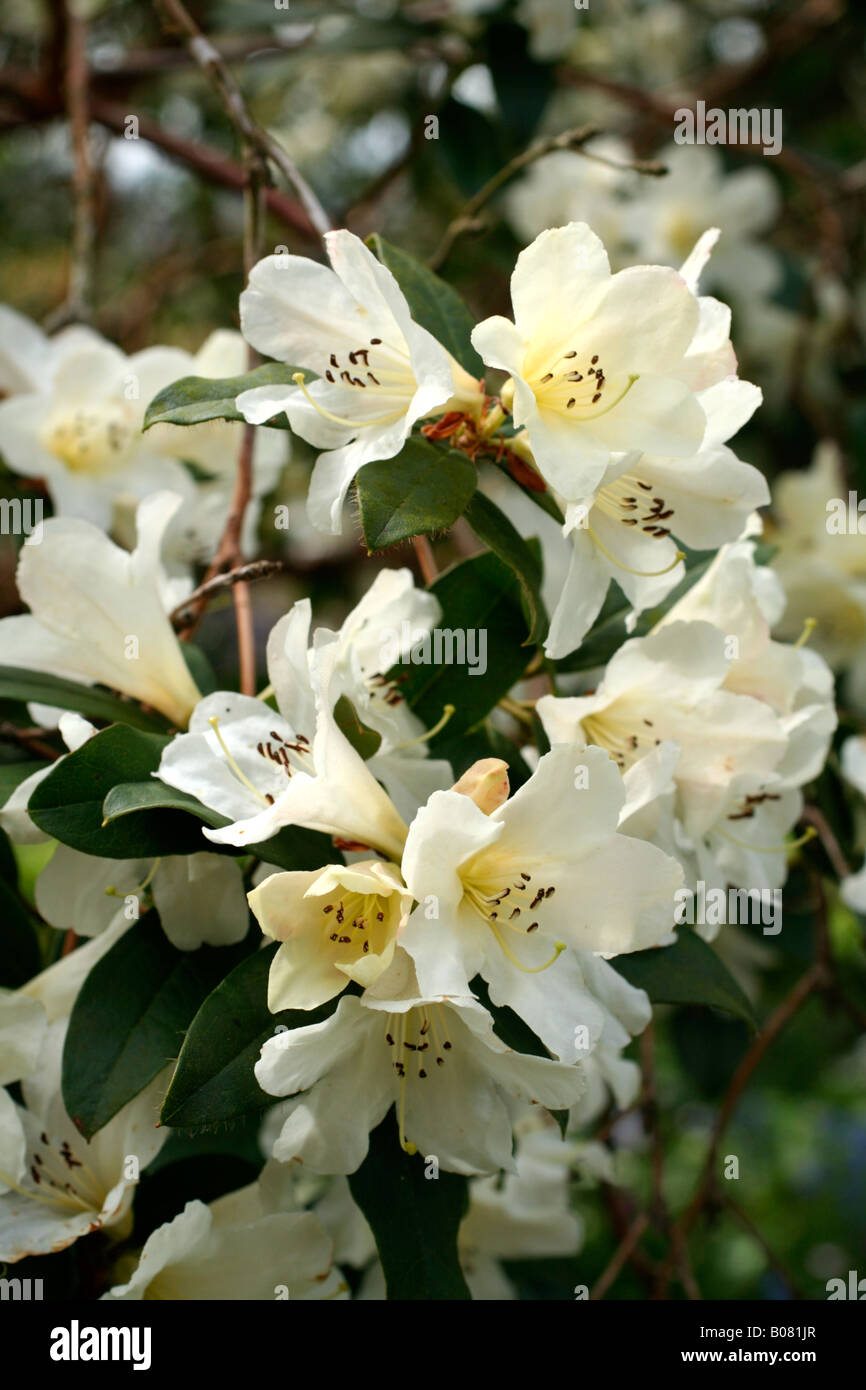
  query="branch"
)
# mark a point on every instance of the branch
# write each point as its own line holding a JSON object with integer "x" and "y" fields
{"x": 426, "y": 561}
{"x": 244, "y": 574}
{"x": 812, "y": 980}
{"x": 814, "y": 817}
{"x": 31, "y": 739}
{"x": 77, "y": 306}
{"x": 211, "y": 62}
{"x": 468, "y": 218}
{"x": 620, "y": 1256}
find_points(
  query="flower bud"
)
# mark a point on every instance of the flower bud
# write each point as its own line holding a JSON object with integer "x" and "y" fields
{"x": 486, "y": 783}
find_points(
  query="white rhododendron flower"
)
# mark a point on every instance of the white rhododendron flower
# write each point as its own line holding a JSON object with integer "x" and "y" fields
{"x": 669, "y": 686}
{"x": 438, "y": 1060}
{"x": 199, "y": 897}
{"x": 15, "y": 819}
{"x": 598, "y": 361}
{"x": 512, "y": 887}
{"x": 378, "y": 372}
{"x": 264, "y": 769}
{"x": 75, "y": 420}
{"x": 97, "y": 613}
{"x": 626, "y": 531}
{"x": 821, "y": 564}
{"x": 22, "y": 1035}
{"x": 666, "y": 216}
{"x": 334, "y": 925}
{"x": 81, "y": 430}
{"x": 234, "y": 1248}
{"x": 55, "y": 1186}
{"x": 575, "y": 186}
{"x": 379, "y": 631}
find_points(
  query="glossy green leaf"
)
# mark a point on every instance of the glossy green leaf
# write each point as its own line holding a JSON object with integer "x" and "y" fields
{"x": 482, "y": 618}
{"x": 493, "y": 527}
{"x": 130, "y": 1018}
{"x": 432, "y": 303}
{"x": 214, "y": 1079}
{"x": 689, "y": 972}
{"x": 293, "y": 847}
{"x": 16, "y": 683}
{"x": 414, "y": 1217}
{"x": 194, "y": 399}
{"x": 68, "y": 803}
{"x": 421, "y": 491}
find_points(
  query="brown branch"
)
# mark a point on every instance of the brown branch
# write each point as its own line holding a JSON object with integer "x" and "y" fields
{"x": 467, "y": 220}
{"x": 620, "y": 1256}
{"x": 812, "y": 980}
{"x": 426, "y": 560}
{"x": 816, "y": 818}
{"x": 244, "y": 574}
{"x": 40, "y": 104}
{"x": 746, "y": 1221}
{"x": 77, "y": 306}
{"x": 32, "y": 739}
{"x": 212, "y": 64}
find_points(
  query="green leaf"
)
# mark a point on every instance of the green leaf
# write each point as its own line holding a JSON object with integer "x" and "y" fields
{"x": 13, "y": 774}
{"x": 480, "y": 596}
{"x": 493, "y": 527}
{"x": 366, "y": 742}
{"x": 293, "y": 847}
{"x": 422, "y": 490}
{"x": 432, "y": 303}
{"x": 20, "y": 959}
{"x": 194, "y": 399}
{"x": 130, "y": 1018}
{"x": 689, "y": 972}
{"x": 68, "y": 803}
{"x": 415, "y": 1219}
{"x": 214, "y": 1079}
{"x": 609, "y": 632}
{"x": 16, "y": 683}
{"x": 516, "y": 1034}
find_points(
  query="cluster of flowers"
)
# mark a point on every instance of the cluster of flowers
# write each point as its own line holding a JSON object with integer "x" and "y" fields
{"x": 447, "y": 894}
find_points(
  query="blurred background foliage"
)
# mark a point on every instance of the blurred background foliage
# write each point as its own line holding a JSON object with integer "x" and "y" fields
{"x": 351, "y": 90}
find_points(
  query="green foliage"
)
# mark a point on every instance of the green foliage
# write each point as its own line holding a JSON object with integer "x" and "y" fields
{"x": 415, "y": 1217}
{"x": 421, "y": 491}
{"x": 195, "y": 399}
{"x": 130, "y": 1018}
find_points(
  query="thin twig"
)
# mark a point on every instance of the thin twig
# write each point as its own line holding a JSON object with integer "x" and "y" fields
{"x": 32, "y": 739}
{"x": 426, "y": 562}
{"x": 211, "y": 62}
{"x": 244, "y": 574}
{"x": 812, "y": 980}
{"x": 468, "y": 218}
{"x": 815, "y": 817}
{"x": 620, "y": 1256}
{"x": 745, "y": 1220}
{"x": 77, "y": 307}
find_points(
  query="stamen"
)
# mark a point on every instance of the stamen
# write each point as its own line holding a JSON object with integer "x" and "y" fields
{"x": 785, "y": 847}
{"x": 241, "y": 776}
{"x": 298, "y": 378}
{"x": 642, "y": 574}
{"x": 431, "y": 733}
{"x": 527, "y": 969}
{"x": 808, "y": 628}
